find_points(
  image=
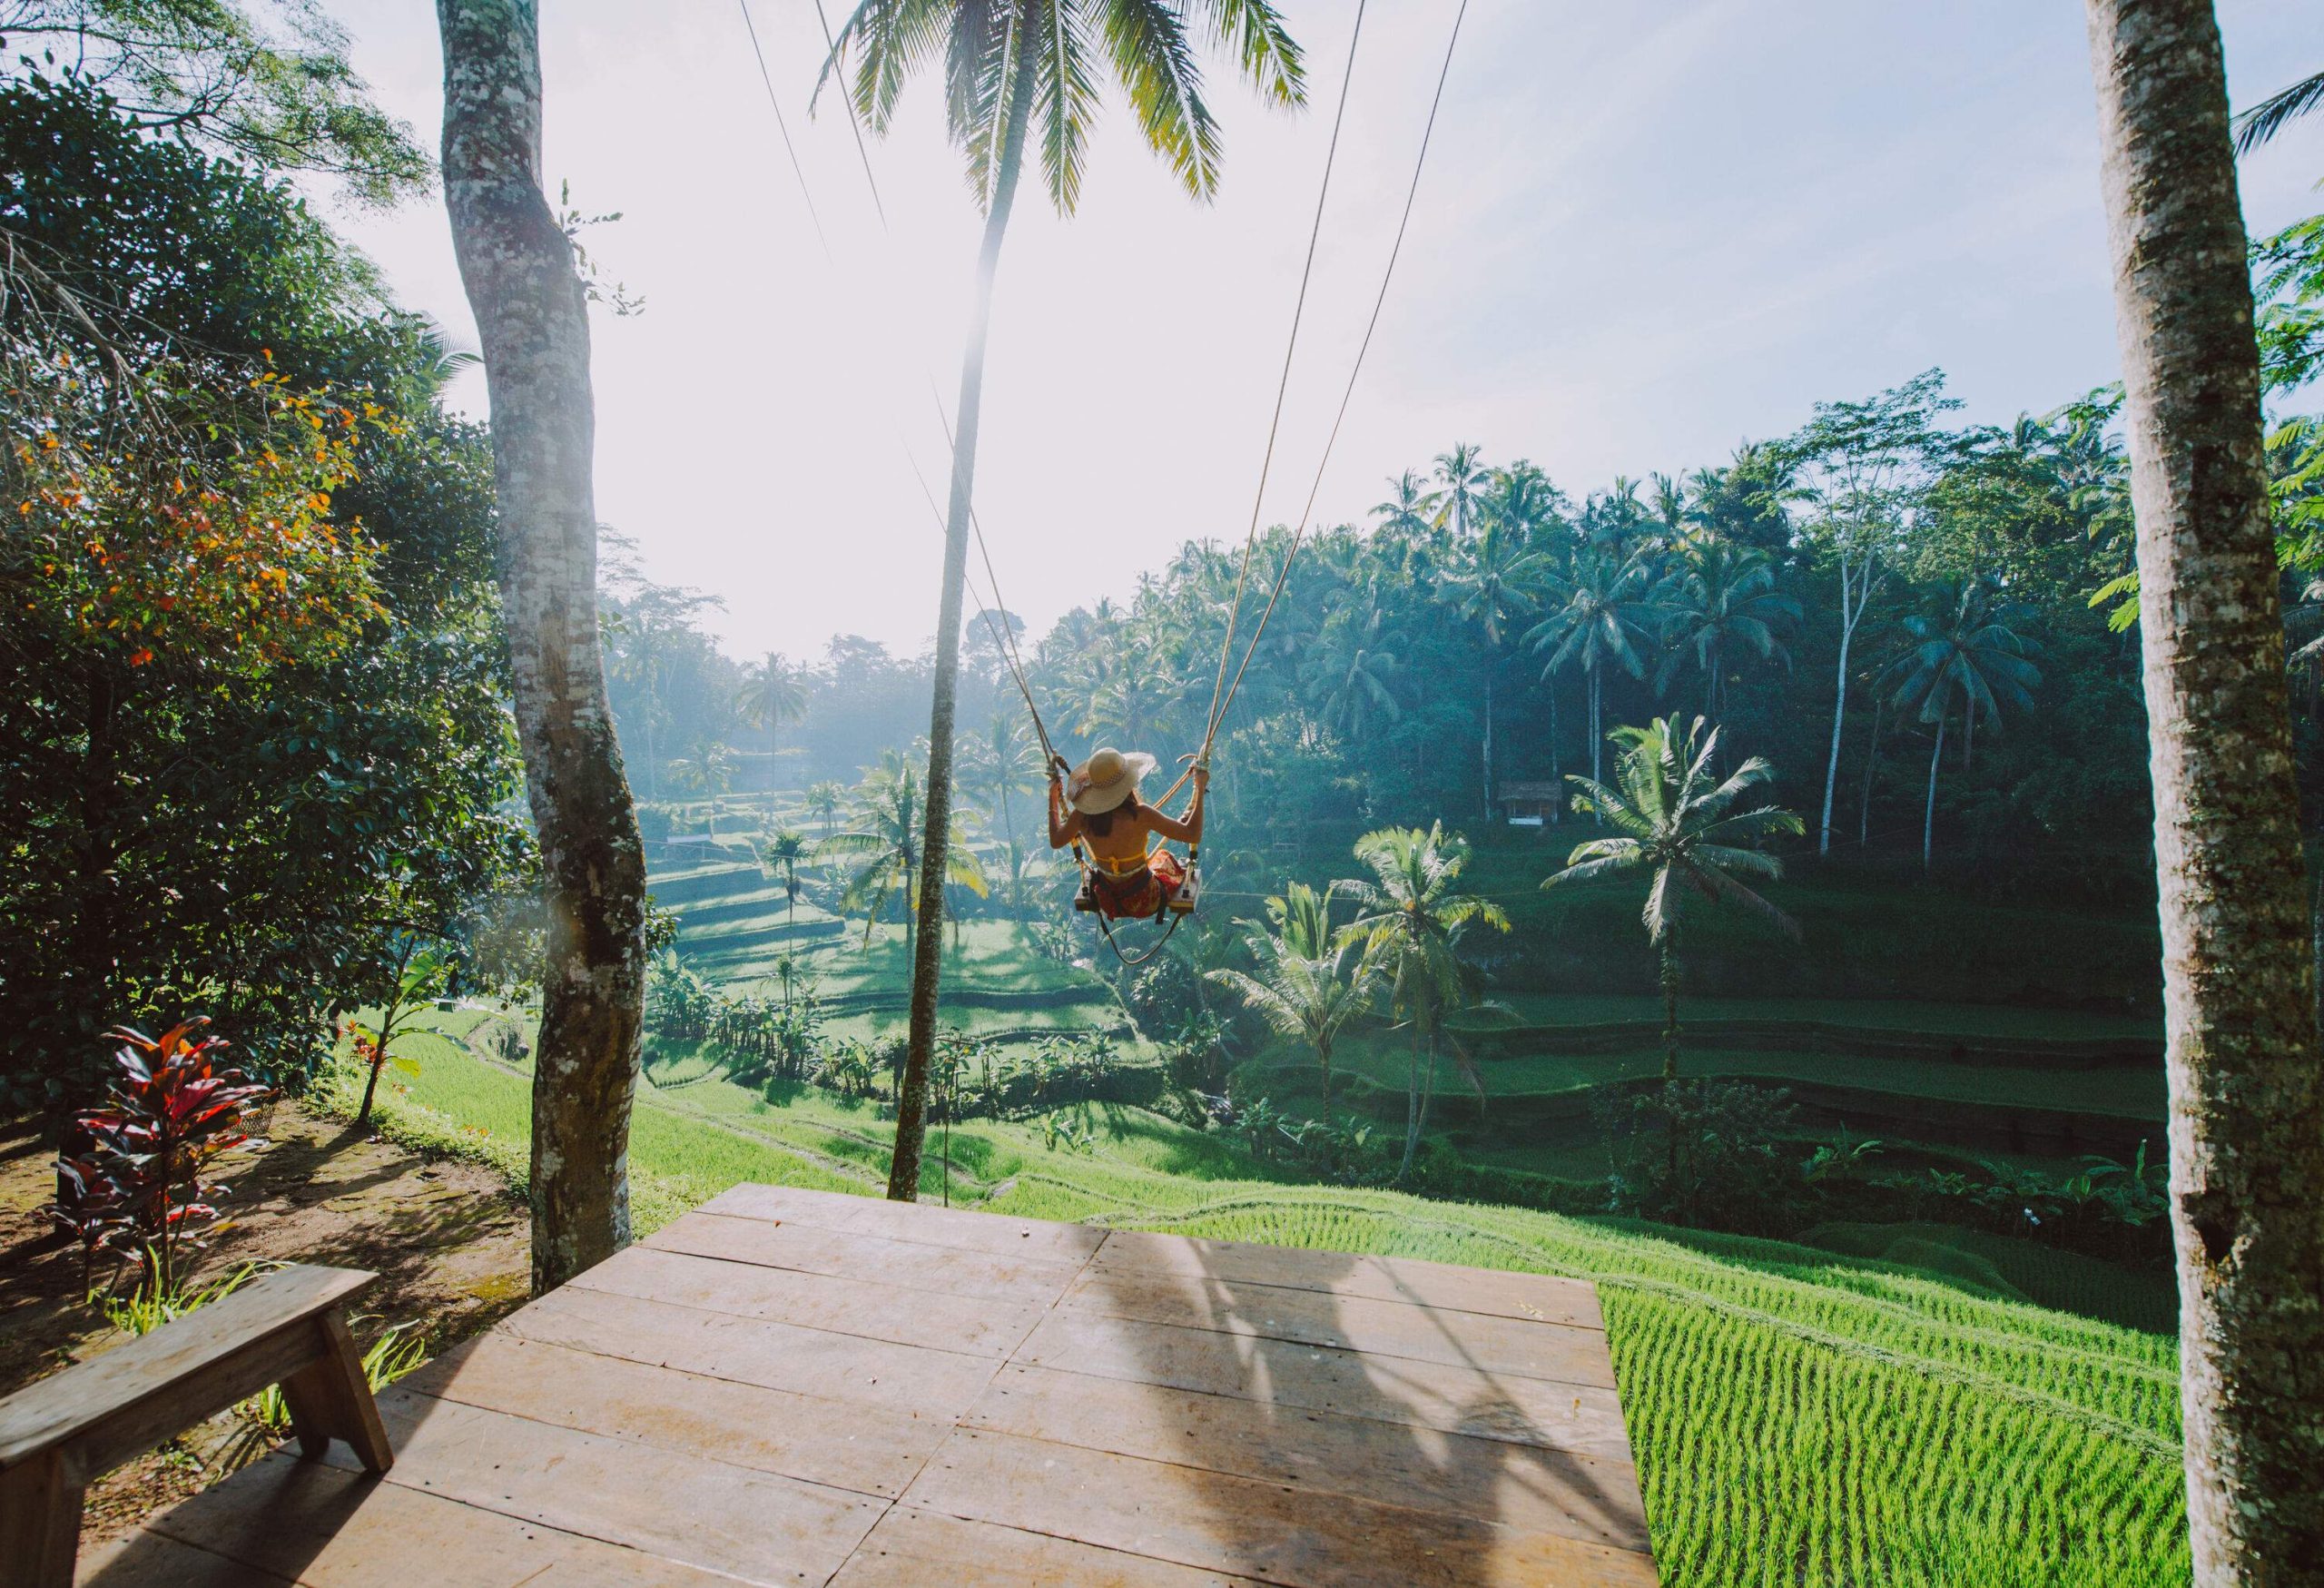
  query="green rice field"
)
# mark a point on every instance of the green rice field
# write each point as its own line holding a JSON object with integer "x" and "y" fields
{"x": 1800, "y": 1414}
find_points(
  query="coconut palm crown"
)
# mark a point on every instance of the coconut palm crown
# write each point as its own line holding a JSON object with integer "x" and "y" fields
{"x": 1672, "y": 815}
{"x": 1045, "y": 61}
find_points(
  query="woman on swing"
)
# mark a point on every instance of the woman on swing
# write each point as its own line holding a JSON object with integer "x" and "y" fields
{"x": 1097, "y": 803}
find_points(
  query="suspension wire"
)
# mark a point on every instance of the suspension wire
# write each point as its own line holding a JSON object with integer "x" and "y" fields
{"x": 1282, "y": 386}
{"x": 1223, "y": 691}
{"x": 996, "y": 627}
{"x": 1004, "y": 636}
{"x": 784, "y": 127}
{"x": 1307, "y": 513}
{"x": 1283, "y": 574}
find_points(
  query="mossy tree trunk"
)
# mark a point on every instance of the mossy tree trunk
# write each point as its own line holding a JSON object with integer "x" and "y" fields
{"x": 2247, "y": 1086}
{"x": 532, "y": 314}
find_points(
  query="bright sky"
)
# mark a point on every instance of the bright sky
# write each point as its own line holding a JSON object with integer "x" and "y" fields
{"x": 1647, "y": 232}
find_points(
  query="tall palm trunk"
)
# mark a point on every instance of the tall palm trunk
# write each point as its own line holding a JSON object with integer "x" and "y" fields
{"x": 533, "y": 317}
{"x": 1557, "y": 761}
{"x": 1596, "y": 738}
{"x": 1928, "y": 814}
{"x": 1487, "y": 741}
{"x": 1412, "y": 1104}
{"x": 928, "y": 953}
{"x": 1669, "y": 979}
{"x": 1015, "y": 872}
{"x": 2247, "y": 1086}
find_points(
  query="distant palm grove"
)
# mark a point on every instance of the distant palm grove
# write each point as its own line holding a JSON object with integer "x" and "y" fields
{"x": 1926, "y": 626}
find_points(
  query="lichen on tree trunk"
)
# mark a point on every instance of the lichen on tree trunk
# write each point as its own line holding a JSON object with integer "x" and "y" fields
{"x": 532, "y": 314}
{"x": 2247, "y": 1085}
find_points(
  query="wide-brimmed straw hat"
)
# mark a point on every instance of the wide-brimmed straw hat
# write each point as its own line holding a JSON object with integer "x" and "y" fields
{"x": 1106, "y": 779}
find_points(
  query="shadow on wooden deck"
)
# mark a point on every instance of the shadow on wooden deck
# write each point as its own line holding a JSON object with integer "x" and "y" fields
{"x": 790, "y": 1387}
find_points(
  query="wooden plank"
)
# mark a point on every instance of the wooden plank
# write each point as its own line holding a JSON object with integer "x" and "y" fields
{"x": 913, "y": 1549}
{"x": 871, "y": 1450}
{"x": 330, "y": 1398}
{"x": 150, "y": 1560}
{"x": 996, "y": 1234}
{"x": 1541, "y": 1297}
{"x": 1376, "y": 1328}
{"x": 1279, "y": 1533}
{"x": 333, "y": 1528}
{"x": 40, "y": 1518}
{"x": 100, "y": 1401}
{"x": 772, "y": 1356}
{"x": 874, "y": 1311}
{"x": 759, "y": 1526}
{"x": 1490, "y": 1480}
{"x": 1582, "y": 1418}
{"x": 912, "y": 1264}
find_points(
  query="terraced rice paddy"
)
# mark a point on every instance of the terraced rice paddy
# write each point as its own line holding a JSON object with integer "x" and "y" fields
{"x": 1379, "y": 1060}
{"x": 1799, "y": 1416}
{"x": 733, "y": 925}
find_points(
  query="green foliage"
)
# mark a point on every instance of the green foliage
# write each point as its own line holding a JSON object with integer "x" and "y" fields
{"x": 1697, "y": 1152}
{"x": 221, "y": 792}
{"x": 274, "y": 87}
{"x": 1797, "y": 1415}
{"x": 138, "y": 1188}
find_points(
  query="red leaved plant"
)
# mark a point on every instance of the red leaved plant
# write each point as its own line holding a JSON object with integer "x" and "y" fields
{"x": 140, "y": 1188}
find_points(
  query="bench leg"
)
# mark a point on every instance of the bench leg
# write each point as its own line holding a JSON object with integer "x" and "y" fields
{"x": 329, "y": 1399}
{"x": 40, "y": 1521}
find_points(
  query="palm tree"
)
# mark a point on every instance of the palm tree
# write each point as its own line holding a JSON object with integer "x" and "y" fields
{"x": 770, "y": 696}
{"x": 1404, "y": 515}
{"x": 1671, "y": 816}
{"x": 1353, "y": 674}
{"x": 1969, "y": 651}
{"x": 824, "y": 801}
{"x": 709, "y": 775}
{"x": 532, "y": 316}
{"x": 2247, "y": 1088}
{"x": 779, "y": 857}
{"x": 1496, "y": 579}
{"x": 1007, "y": 65}
{"x": 1007, "y": 755}
{"x": 1601, "y": 619}
{"x": 884, "y": 846}
{"x": 1310, "y": 998}
{"x": 2272, "y": 114}
{"x": 1409, "y": 918}
{"x": 1722, "y": 600}
{"x": 1461, "y": 480}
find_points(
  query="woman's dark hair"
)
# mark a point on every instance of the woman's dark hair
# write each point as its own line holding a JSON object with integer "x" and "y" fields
{"x": 1103, "y": 821}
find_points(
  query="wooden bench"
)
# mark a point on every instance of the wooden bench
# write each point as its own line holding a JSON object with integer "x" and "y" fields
{"x": 288, "y": 1327}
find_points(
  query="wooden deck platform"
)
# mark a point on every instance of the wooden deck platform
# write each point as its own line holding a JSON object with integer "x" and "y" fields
{"x": 796, "y": 1387}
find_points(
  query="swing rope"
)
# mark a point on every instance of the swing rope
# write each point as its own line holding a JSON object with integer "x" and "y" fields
{"x": 1223, "y": 690}
{"x": 1307, "y": 513}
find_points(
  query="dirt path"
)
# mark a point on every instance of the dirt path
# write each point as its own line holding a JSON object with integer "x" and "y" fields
{"x": 448, "y": 1240}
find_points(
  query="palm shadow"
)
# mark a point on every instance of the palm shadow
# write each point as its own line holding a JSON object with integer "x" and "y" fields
{"x": 1329, "y": 1422}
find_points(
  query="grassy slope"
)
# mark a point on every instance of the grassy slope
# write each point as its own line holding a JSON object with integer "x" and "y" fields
{"x": 1799, "y": 1416}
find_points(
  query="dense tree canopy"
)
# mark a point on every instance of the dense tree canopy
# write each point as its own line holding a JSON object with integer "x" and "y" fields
{"x": 257, "y": 726}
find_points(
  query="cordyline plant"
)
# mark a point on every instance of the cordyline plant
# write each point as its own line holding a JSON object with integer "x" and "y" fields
{"x": 140, "y": 1188}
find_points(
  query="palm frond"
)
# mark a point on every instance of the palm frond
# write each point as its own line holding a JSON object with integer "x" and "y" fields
{"x": 1734, "y": 892}
{"x": 2264, "y": 119}
{"x": 1255, "y": 31}
{"x": 1589, "y": 870}
{"x": 1147, "y": 42}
